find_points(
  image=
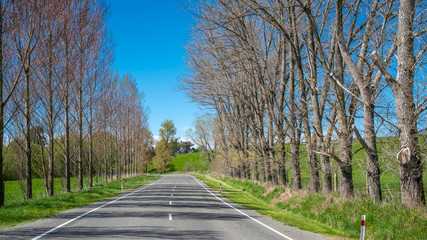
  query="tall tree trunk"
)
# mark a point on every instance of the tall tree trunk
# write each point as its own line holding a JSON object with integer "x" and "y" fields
{"x": 67, "y": 121}
{"x": 273, "y": 170}
{"x": 2, "y": 105}
{"x": 281, "y": 131}
{"x": 281, "y": 156}
{"x": 67, "y": 145}
{"x": 51, "y": 126}
{"x": 294, "y": 130}
{"x": 105, "y": 158}
{"x": 317, "y": 136}
{"x": 367, "y": 90}
{"x": 409, "y": 157}
{"x": 373, "y": 184}
{"x": 312, "y": 159}
{"x": 80, "y": 129}
{"x": 314, "y": 168}
{"x": 29, "y": 179}
{"x": 90, "y": 176}
{"x": 255, "y": 173}
{"x": 326, "y": 174}
{"x": 345, "y": 135}
{"x": 90, "y": 167}
{"x": 296, "y": 171}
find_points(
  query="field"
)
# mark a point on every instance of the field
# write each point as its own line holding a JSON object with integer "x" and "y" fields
{"x": 189, "y": 162}
{"x": 14, "y": 191}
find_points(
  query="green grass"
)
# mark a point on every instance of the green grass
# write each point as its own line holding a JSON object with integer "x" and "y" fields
{"x": 17, "y": 211}
{"x": 14, "y": 193}
{"x": 326, "y": 214}
{"x": 189, "y": 162}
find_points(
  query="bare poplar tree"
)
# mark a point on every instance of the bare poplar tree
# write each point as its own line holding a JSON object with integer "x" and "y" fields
{"x": 409, "y": 156}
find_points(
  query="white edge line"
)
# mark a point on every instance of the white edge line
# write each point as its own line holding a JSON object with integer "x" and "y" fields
{"x": 263, "y": 224}
{"x": 93, "y": 210}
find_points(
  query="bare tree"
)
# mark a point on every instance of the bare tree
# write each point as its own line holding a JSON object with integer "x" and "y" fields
{"x": 202, "y": 135}
{"x": 409, "y": 156}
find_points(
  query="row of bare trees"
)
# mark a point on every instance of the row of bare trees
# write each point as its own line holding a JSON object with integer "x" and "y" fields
{"x": 316, "y": 75}
{"x": 64, "y": 112}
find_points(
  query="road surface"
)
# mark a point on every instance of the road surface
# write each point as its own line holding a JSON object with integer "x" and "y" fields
{"x": 173, "y": 207}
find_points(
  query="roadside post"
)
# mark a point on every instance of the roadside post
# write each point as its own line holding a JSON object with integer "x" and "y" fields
{"x": 122, "y": 185}
{"x": 220, "y": 187}
{"x": 362, "y": 228}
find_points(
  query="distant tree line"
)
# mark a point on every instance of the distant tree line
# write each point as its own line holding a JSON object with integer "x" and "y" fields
{"x": 64, "y": 112}
{"x": 282, "y": 75}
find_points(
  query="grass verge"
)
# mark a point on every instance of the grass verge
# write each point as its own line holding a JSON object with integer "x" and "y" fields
{"x": 327, "y": 215}
{"x": 19, "y": 212}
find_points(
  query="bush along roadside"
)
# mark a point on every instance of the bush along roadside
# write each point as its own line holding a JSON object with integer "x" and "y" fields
{"x": 323, "y": 214}
{"x": 19, "y": 212}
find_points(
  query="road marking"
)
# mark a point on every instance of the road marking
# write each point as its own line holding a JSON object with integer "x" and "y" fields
{"x": 170, "y": 202}
{"x": 176, "y": 182}
{"x": 170, "y": 216}
{"x": 226, "y": 203}
{"x": 173, "y": 190}
{"x": 93, "y": 210}
{"x": 171, "y": 195}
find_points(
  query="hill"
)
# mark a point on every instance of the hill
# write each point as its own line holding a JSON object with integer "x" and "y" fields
{"x": 189, "y": 162}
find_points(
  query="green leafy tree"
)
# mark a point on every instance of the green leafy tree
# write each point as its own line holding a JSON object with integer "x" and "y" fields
{"x": 167, "y": 134}
{"x": 162, "y": 157}
{"x": 185, "y": 147}
{"x": 167, "y": 131}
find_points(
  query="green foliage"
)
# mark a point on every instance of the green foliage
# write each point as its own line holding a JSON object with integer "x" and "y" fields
{"x": 162, "y": 158}
{"x": 185, "y": 147}
{"x": 167, "y": 134}
{"x": 16, "y": 211}
{"x": 167, "y": 130}
{"x": 383, "y": 221}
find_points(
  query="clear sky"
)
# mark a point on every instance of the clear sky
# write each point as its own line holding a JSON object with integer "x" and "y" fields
{"x": 150, "y": 36}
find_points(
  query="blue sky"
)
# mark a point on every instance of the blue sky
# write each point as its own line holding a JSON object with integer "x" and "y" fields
{"x": 150, "y": 38}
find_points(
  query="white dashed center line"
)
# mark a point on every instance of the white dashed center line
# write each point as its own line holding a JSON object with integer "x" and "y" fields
{"x": 170, "y": 216}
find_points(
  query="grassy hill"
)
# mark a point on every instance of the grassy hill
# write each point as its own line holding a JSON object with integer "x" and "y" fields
{"x": 189, "y": 162}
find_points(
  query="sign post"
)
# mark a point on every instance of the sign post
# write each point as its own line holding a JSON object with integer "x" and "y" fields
{"x": 362, "y": 228}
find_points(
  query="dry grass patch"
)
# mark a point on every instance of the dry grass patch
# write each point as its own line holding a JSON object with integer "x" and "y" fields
{"x": 269, "y": 190}
{"x": 287, "y": 194}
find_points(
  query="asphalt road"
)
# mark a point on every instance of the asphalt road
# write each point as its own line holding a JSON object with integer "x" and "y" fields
{"x": 174, "y": 207}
